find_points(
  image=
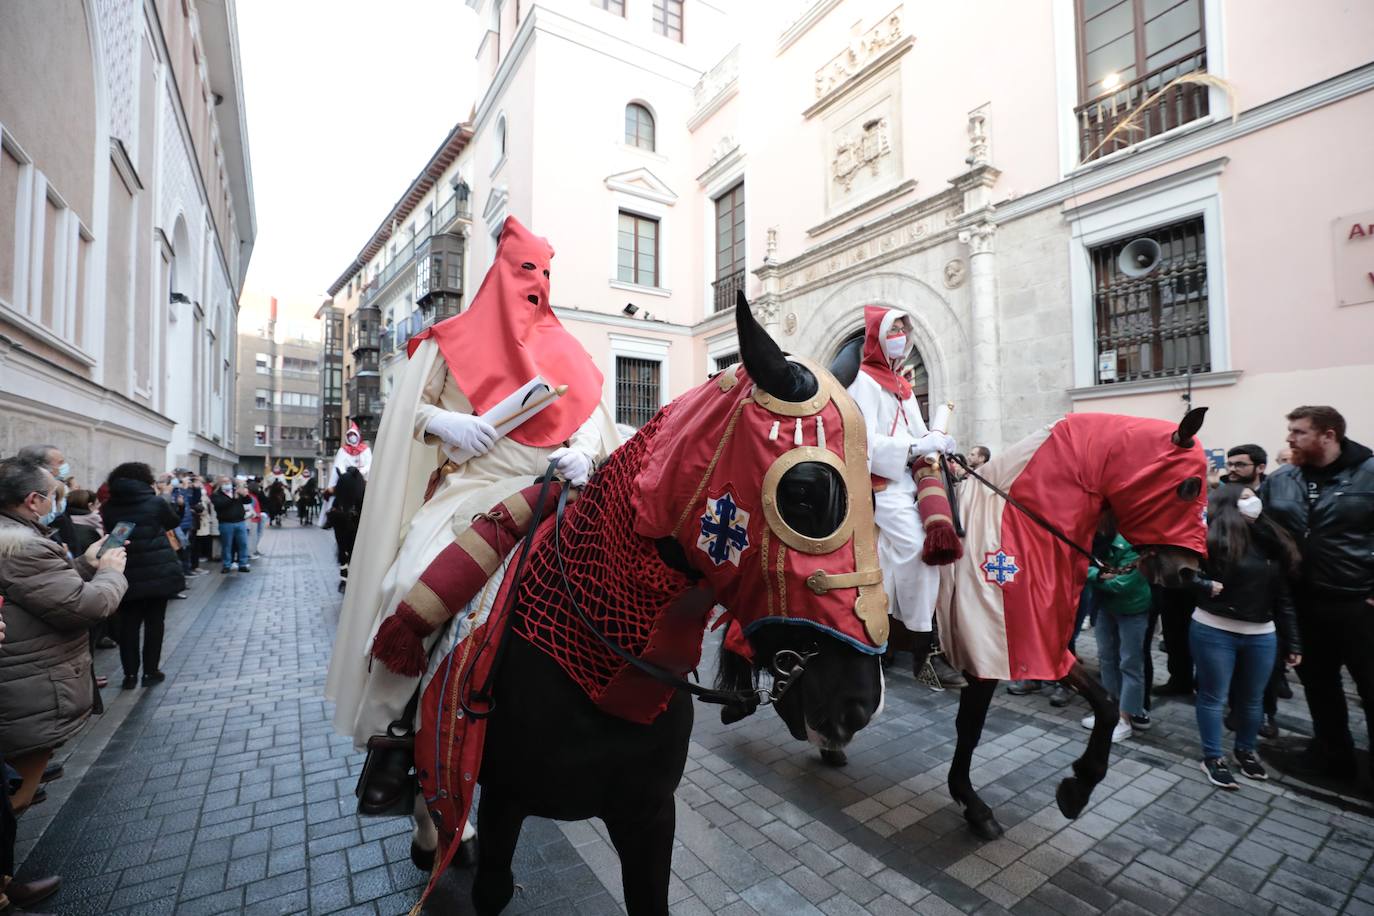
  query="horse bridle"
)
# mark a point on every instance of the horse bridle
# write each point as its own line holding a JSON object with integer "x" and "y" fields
{"x": 1012, "y": 501}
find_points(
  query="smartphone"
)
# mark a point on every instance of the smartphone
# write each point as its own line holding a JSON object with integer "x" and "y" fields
{"x": 118, "y": 538}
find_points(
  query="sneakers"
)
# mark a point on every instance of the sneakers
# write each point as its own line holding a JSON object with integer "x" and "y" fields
{"x": 1141, "y": 723}
{"x": 225, "y": 569}
{"x": 1249, "y": 764}
{"x": 1219, "y": 774}
{"x": 1269, "y": 728}
{"x": 1120, "y": 733}
{"x": 130, "y": 682}
{"x": 1021, "y": 688}
{"x": 245, "y": 568}
{"x": 1061, "y": 696}
{"x": 1170, "y": 689}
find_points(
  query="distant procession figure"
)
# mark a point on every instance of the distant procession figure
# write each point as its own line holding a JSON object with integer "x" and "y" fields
{"x": 354, "y": 453}
{"x": 439, "y": 463}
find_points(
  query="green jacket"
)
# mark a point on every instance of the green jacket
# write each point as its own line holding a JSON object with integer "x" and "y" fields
{"x": 1121, "y": 594}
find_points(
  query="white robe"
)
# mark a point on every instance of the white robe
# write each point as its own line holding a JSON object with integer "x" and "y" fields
{"x": 894, "y": 426}
{"x": 342, "y": 462}
{"x": 399, "y": 534}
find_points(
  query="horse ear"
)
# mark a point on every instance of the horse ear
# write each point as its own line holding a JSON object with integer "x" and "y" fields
{"x": 1189, "y": 426}
{"x": 764, "y": 360}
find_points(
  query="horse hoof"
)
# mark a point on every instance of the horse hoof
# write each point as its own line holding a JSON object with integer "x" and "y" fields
{"x": 423, "y": 859}
{"x": 1071, "y": 797}
{"x": 466, "y": 856}
{"x": 984, "y": 827}
{"x": 834, "y": 757}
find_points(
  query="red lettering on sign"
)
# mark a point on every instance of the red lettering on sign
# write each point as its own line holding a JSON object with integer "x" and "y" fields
{"x": 1356, "y": 231}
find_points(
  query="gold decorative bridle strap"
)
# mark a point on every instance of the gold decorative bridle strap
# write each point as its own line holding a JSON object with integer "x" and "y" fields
{"x": 821, "y": 581}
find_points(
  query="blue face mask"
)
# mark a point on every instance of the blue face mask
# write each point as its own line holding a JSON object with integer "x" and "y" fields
{"x": 57, "y": 509}
{"x": 64, "y": 471}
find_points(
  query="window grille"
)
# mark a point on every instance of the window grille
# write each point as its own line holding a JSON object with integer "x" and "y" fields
{"x": 729, "y": 247}
{"x": 1154, "y": 326}
{"x": 639, "y": 127}
{"x": 636, "y": 390}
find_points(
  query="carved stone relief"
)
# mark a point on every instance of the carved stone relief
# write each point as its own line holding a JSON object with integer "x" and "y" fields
{"x": 863, "y": 50}
{"x": 955, "y": 272}
{"x": 863, "y": 155}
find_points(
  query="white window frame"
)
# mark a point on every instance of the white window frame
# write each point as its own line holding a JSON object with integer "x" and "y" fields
{"x": 644, "y": 208}
{"x": 720, "y": 346}
{"x": 1065, "y": 29}
{"x": 266, "y": 435}
{"x": 1193, "y": 192}
{"x": 638, "y": 348}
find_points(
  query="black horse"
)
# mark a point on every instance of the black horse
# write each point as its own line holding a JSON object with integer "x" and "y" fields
{"x": 307, "y": 502}
{"x": 276, "y": 503}
{"x": 343, "y": 517}
{"x": 552, "y": 752}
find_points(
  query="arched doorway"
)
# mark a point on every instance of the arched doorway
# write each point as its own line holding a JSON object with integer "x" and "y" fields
{"x": 914, "y": 369}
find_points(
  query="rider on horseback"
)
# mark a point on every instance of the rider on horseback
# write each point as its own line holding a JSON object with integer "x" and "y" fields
{"x": 897, "y": 437}
{"x": 440, "y": 463}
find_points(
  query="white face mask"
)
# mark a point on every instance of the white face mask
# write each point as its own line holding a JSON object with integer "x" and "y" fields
{"x": 895, "y": 347}
{"x": 1250, "y": 507}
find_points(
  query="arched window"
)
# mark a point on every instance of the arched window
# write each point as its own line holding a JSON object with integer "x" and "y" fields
{"x": 501, "y": 139}
{"x": 639, "y": 127}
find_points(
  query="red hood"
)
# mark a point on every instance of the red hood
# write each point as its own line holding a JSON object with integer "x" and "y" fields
{"x": 510, "y": 334}
{"x": 877, "y": 320}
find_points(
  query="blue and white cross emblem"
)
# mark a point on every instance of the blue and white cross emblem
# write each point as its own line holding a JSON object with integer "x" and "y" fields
{"x": 724, "y": 529}
{"x": 1000, "y": 567}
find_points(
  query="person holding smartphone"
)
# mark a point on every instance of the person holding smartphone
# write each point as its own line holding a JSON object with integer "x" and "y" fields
{"x": 155, "y": 570}
{"x": 51, "y": 601}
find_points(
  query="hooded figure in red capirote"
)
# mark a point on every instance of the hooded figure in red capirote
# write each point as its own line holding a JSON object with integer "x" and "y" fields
{"x": 436, "y": 463}
{"x": 897, "y": 437}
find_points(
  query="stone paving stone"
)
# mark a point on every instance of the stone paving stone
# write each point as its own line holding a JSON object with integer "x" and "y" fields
{"x": 225, "y": 789}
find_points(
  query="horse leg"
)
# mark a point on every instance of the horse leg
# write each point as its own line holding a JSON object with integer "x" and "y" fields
{"x": 974, "y": 701}
{"x": 499, "y": 818}
{"x": 1091, "y": 768}
{"x": 645, "y": 845}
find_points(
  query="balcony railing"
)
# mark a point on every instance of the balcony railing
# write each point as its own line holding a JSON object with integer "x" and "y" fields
{"x": 725, "y": 289}
{"x": 1178, "y": 105}
{"x": 450, "y": 210}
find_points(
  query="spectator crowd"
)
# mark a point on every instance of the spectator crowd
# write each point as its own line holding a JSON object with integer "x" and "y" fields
{"x": 83, "y": 570}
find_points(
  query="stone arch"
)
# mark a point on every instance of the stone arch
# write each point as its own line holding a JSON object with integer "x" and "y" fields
{"x": 183, "y": 275}
{"x": 940, "y": 335}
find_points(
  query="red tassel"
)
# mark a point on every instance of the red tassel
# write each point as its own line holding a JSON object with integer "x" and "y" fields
{"x": 942, "y": 546}
{"x": 399, "y": 643}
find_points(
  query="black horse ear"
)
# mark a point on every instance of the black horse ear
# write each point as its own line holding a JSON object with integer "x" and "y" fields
{"x": 845, "y": 365}
{"x": 764, "y": 360}
{"x": 1188, "y": 427}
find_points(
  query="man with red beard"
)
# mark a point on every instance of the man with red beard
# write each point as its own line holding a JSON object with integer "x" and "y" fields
{"x": 1325, "y": 499}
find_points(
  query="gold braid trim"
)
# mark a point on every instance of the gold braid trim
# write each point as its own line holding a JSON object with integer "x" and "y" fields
{"x": 706, "y": 475}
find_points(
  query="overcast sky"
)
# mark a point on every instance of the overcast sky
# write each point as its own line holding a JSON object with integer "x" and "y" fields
{"x": 346, "y": 100}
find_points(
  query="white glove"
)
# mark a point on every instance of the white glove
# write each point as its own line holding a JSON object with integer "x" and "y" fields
{"x": 932, "y": 443}
{"x": 462, "y": 431}
{"x": 575, "y": 466}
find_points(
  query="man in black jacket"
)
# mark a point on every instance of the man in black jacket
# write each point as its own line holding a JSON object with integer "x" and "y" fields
{"x": 1325, "y": 498}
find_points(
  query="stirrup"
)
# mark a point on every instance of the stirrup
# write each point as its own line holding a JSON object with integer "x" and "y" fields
{"x": 928, "y": 677}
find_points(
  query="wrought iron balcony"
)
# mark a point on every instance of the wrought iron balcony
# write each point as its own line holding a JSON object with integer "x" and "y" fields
{"x": 725, "y": 289}
{"x": 1185, "y": 102}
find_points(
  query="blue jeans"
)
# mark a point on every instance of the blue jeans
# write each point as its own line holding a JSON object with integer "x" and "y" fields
{"x": 233, "y": 537}
{"x": 1120, "y": 645}
{"x": 1225, "y": 662}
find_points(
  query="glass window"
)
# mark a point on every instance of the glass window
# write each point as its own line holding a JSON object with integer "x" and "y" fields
{"x": 637, "y": 254}
{"x": 668, "y": 18}
{"x": 611, "y": 6}
{"x": 639, "y": 127}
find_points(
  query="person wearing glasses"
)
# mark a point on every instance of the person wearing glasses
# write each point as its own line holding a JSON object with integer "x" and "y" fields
{"x": 1245, "y": 465}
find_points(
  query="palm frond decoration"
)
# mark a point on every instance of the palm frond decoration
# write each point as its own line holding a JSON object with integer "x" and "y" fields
{"x": 1132, "y": 121}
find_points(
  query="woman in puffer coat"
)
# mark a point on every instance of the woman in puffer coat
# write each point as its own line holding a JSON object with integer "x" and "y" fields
{"x": 155, "y": 572}
{"x": 50, "y": 602}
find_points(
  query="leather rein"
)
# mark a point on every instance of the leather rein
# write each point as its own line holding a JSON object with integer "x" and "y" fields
{"x": 1029, "y": 513}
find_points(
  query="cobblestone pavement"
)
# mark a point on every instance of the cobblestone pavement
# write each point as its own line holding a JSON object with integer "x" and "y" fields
{"x": 225, "y": 790}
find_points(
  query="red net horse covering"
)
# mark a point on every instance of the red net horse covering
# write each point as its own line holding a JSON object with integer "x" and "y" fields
{"x": 623, "y": 586}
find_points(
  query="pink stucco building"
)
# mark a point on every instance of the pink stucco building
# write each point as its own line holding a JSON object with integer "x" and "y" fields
{"x": 966, "y": 162}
